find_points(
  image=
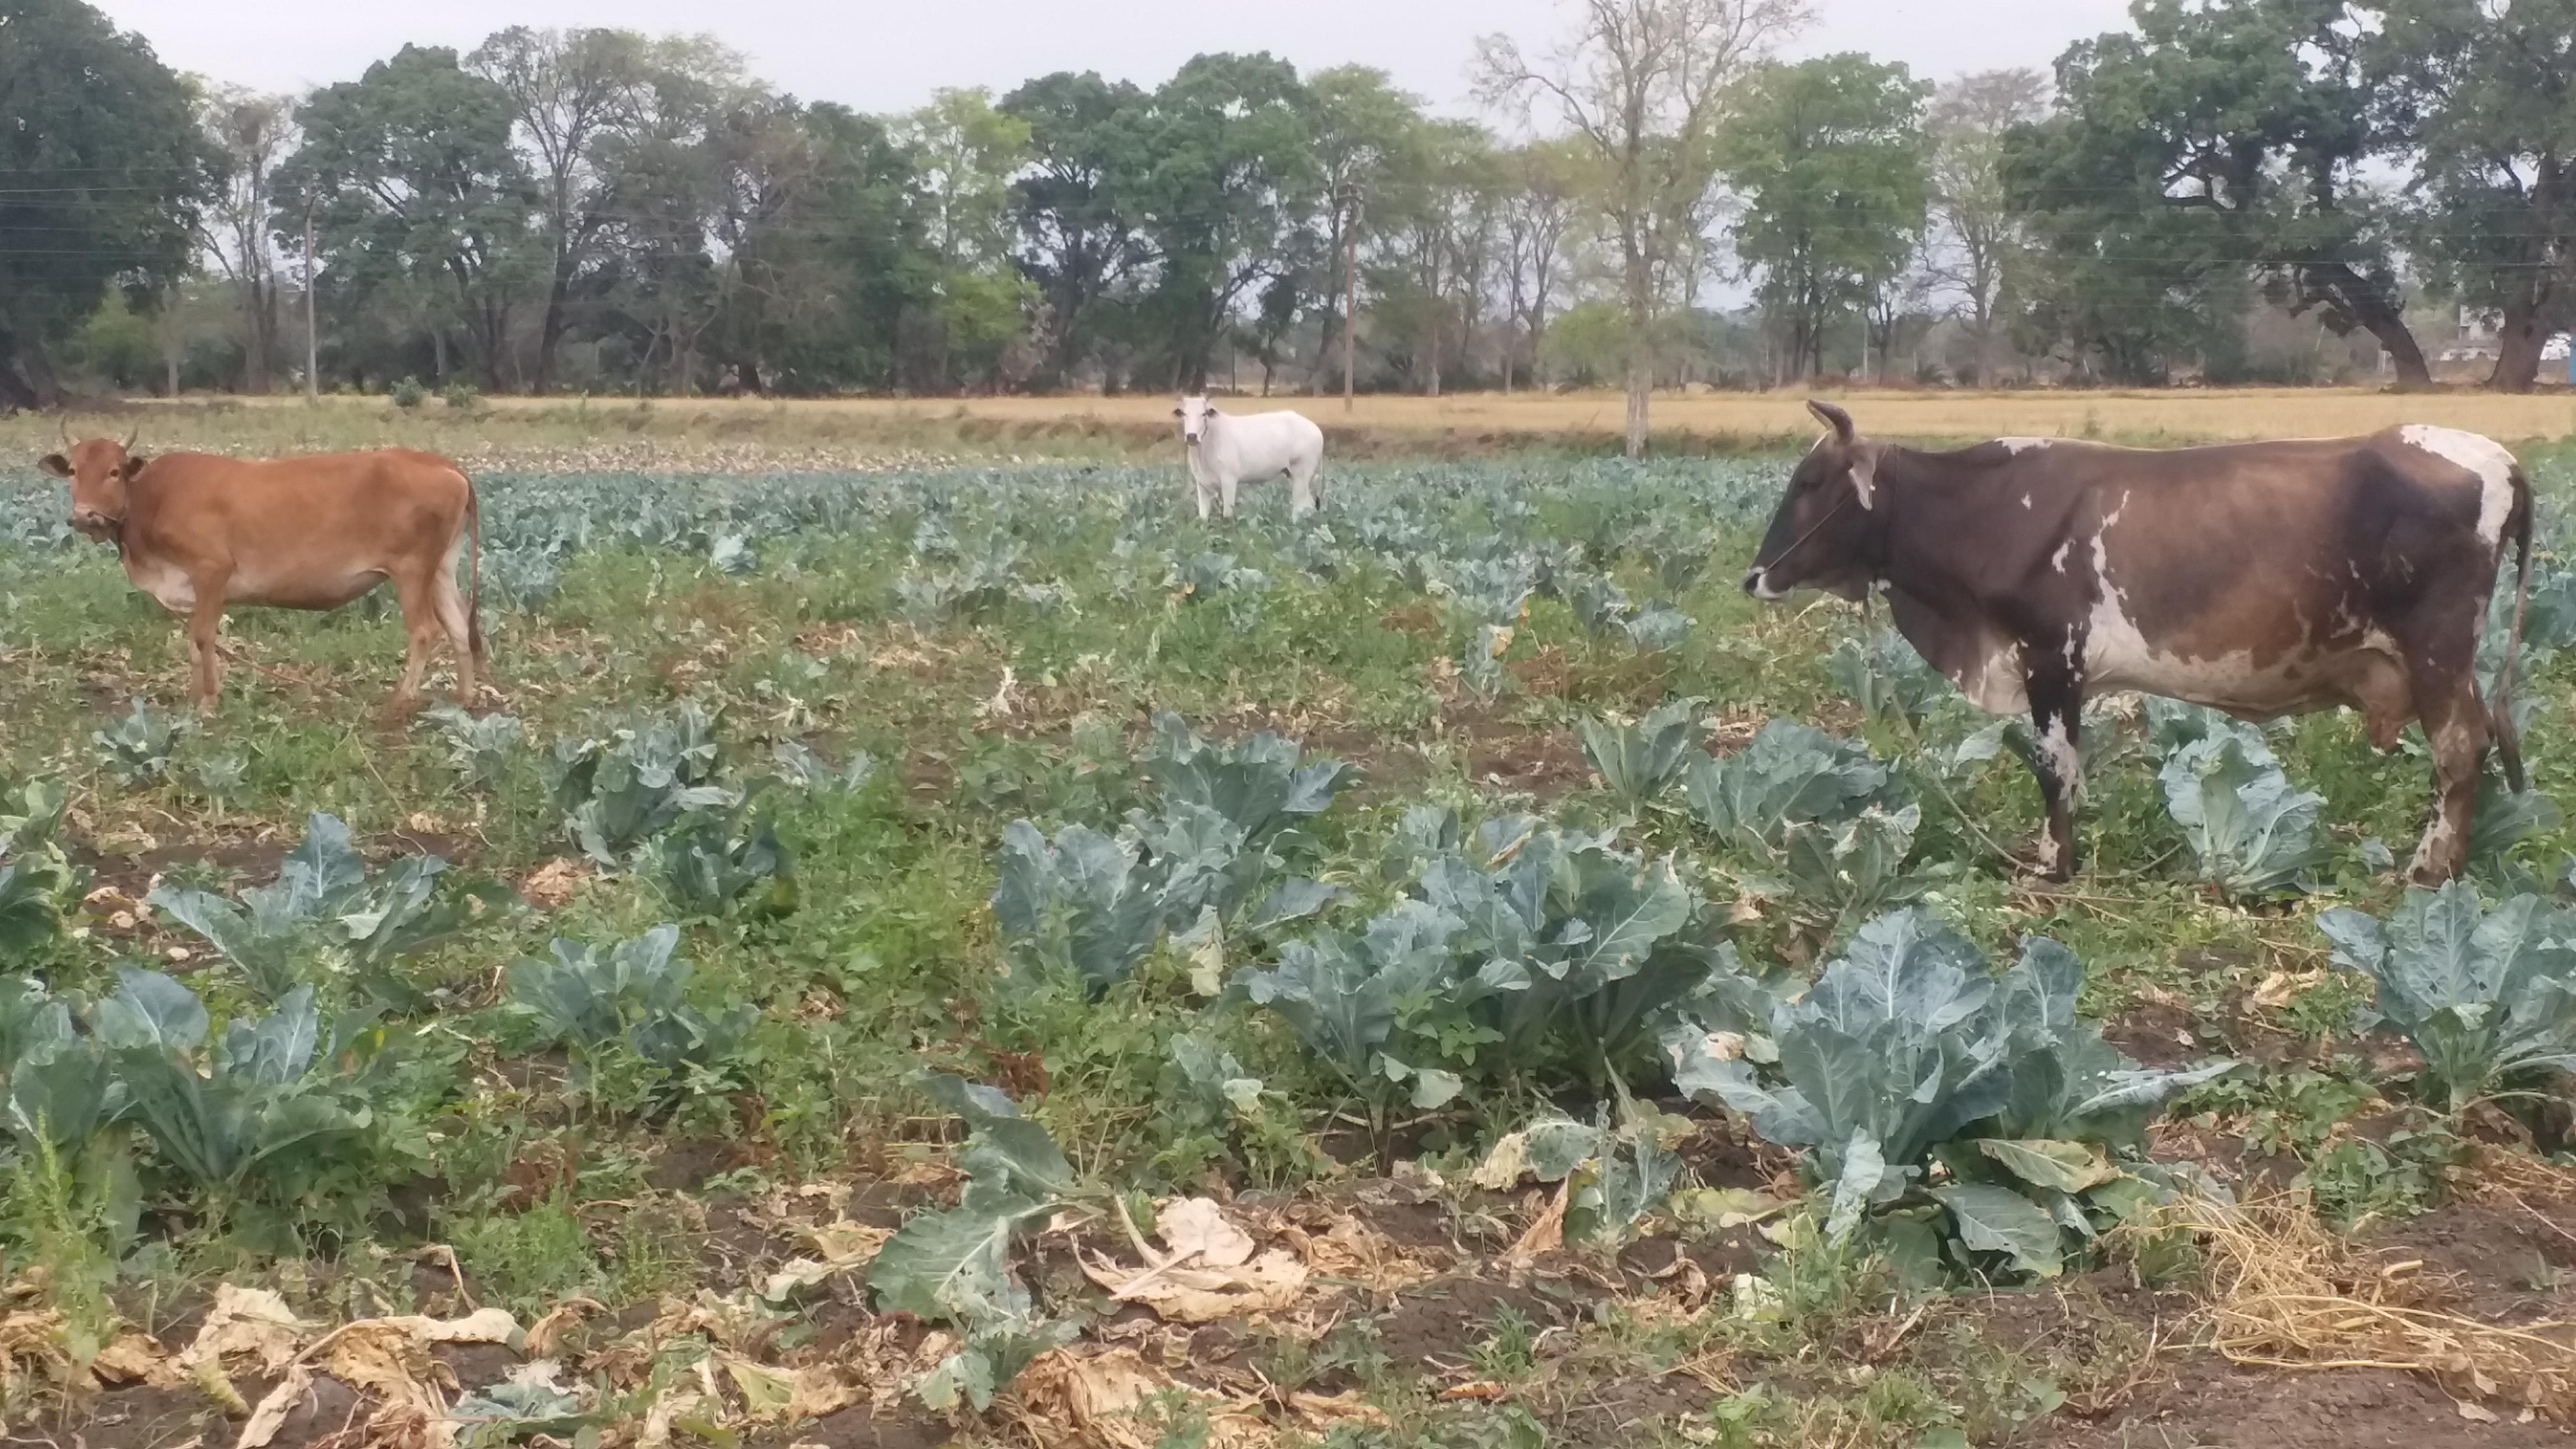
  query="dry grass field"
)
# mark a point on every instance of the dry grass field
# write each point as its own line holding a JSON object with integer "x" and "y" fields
{"x": 746, "y": 434}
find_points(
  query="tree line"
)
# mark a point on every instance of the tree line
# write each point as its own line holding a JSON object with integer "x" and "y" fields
{"x": 604, "y": 211}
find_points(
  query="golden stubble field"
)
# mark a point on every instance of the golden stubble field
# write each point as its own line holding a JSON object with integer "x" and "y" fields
{"x": 750, "y": 434}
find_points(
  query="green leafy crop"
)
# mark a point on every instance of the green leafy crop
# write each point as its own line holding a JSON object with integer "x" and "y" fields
{"x": 2488, "y": 998}
{"x": 1907, "y": 1052}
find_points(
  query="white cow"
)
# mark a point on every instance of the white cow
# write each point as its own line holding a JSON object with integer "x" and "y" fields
{"x": 1227, "y": 451}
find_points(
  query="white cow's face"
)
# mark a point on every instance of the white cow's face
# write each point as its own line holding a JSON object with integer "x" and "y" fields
{"x": 1194, "y": 413}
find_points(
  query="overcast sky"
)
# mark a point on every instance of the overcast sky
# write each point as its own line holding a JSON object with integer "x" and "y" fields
{"x": 889, "y": 55}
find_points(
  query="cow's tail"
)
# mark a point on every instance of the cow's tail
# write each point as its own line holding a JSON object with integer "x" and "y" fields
{"x": 474, "y": 572}
{"x": 2500, "y": 708}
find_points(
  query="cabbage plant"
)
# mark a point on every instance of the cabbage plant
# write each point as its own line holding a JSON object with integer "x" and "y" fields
{"x": 2487, "y": 997}
{"x": 1930, "y": 1093}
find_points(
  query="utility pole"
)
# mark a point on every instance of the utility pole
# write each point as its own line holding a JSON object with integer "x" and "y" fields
{"x": 312, "y": 345}
{"x": 1351, "y": 302}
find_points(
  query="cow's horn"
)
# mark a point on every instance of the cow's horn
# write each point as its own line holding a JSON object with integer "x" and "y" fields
{"x": 130, "y": 437}
{"x": 63, "y": 425}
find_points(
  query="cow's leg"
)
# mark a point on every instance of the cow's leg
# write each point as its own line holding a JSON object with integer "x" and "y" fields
{"x": 463, "y": 640}
{"x": 1206, "y": 496}
{"x": 1226, "y": 490}
{"x": 205, "y": 661}
{"x": 421, "y": 628}
{"x": 2455, "y": 724}
{"x": 1301, "y": 489}
{"x": 2056, "y": 719}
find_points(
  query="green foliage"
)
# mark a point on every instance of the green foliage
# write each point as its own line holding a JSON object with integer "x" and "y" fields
{"x": 1082, "y": 904}
{"x": 1790, "y": 775}
{"x": 1886, "y": 677}
{"x": 106, "y": 170}
{"x": 1529, "y": 951}
{"x": 2263, "y": 107}
{"x": 2252, "y": 834}
{"x": 954, "y": 1266}
{"x": 1620, "y": 1173}
{"x": 422, "y": 201}
{"x": 138, "y": 746}
{"x": 1817, "y": 820}
{"x": 2488, "y": 998}
{"x": 620, "y": 792}
{"x": 38, "y": 883}
{"x": 482, "y": 749}
{"x": 632, "y": 996}
{"x": 1906, "y": 1051}
{"x": 325, "y": 916}
{"x": 275, "y": 1108}
{"x": 714, "y": 860}
{"x": 1640, "y": 761}
{"x": 805, "y": 770}
{"x": 1223, "y": 827}
{"x": 1828, "y": 155}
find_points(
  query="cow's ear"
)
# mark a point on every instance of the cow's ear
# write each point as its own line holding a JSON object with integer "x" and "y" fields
{"x": 1864, "y": 476}
{"x": 56, "y": 464}
{"x": 1832, "y": 417}
{"x": 132, "y": 465}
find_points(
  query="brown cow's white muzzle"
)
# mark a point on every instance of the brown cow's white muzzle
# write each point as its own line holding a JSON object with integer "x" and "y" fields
{"x": 90, "y": 523}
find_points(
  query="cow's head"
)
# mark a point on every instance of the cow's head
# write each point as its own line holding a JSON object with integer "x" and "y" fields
{"x": 1194, "y": 412}
{"x": 98, "y": 471}
{"x": 1825, "y": 533}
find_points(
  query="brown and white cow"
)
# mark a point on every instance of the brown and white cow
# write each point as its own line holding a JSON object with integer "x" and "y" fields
{"x": 2262, "y": 579}
{"x": 198, "y": 532}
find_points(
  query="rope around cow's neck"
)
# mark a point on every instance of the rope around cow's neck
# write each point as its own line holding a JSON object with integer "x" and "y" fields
{"x": 1801, "y": 540}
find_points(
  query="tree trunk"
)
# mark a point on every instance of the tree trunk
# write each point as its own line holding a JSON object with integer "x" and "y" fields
{"x": 1641, "y": 386}
{"x": 2379, "y": 314}
{"x": 2518, "y": 347}
{"x": 1641, "y": 346}
{"x": 26, "y": 377}
{"x": 550, "y": 337}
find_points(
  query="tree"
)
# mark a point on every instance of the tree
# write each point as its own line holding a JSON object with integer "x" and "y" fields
{"x": 1828, "y": 158}
{"x": 665, "y": 187}
{"x": 1224, "y": 184}
{"x": 1362, "y": 123}
{"x": 1645, "y": 84}
{"x": 423, "y": 204}
{"x": 2252, "y": 114}
{"x": 1978, "y": 242}
{"x": 247, "y": 134}
{"x": 965, "y": 154}
{"x": 569, "y": 91}
{"x": 106, "y": 172}
{"x": 822, "y": 250}
{"x": 1079, "y": 237}
{"x": 1540, "y": 212}
{"x": 2486, "y": 89}
{"x": 1438, "y": 212}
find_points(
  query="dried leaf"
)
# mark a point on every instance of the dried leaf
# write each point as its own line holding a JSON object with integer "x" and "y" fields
{"x": 271, "y": 1414}
{"x": 136, "y": 1357}
{"x": 540, "y": 1342}
{"x": 845, "y": 1243}
{"x": 1178, "y": 1294}
{"x": 1545, "y": 1235}
{"x": 1195, "y": 1230}
{"x": 245, "y": 1323}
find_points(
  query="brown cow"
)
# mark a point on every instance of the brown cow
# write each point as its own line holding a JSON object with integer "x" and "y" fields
{"x": 198, "y": 532}
{"x": 2262, "y": 579}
